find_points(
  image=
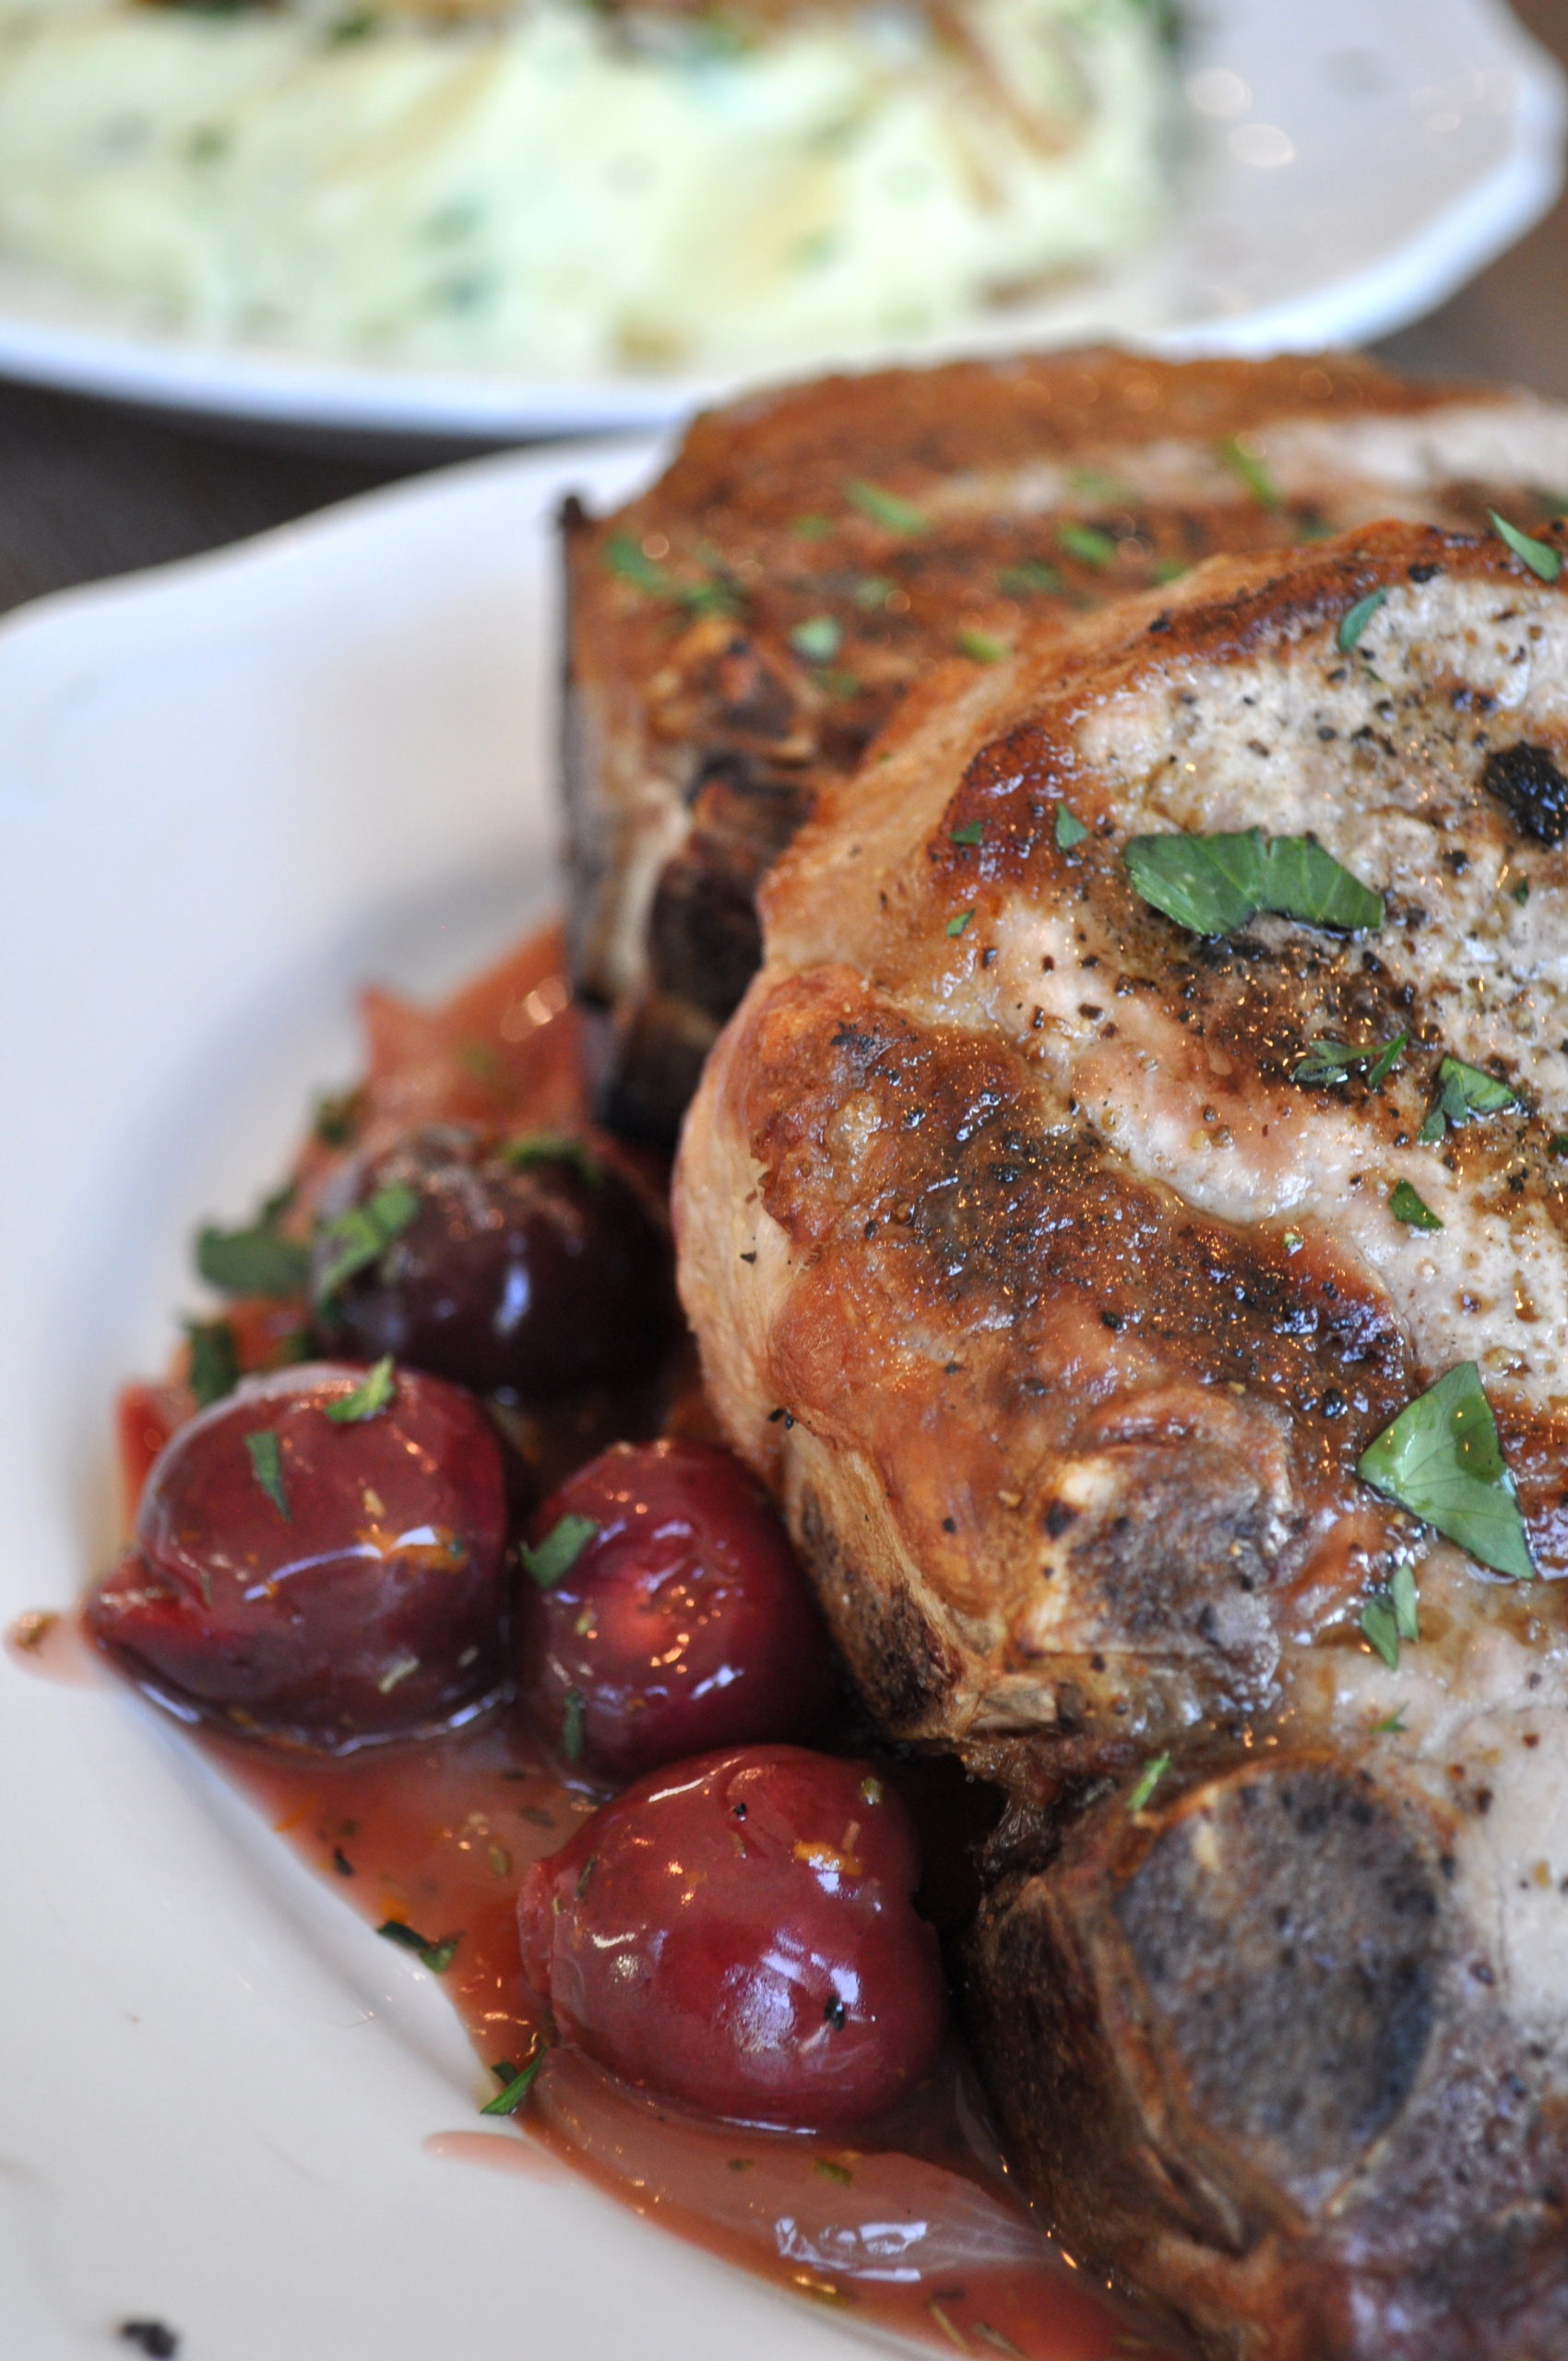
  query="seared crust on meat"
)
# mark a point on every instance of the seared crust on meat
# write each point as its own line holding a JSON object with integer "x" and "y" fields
{"x": 1059, "y": 1311}
{"x": 739, "y": 633}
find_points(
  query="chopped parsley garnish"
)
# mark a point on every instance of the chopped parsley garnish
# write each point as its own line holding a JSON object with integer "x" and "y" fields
{"x": 1407, "y": 1206}
{"x": 554, "y": 1147}
{"x": 336, "y": 1117}
{"x": 1214, "y": 885}
{"x": 516, "y": 2086}
{"x": 1558, "y": 1144}
{"x": 267, "y": 1466}
{"x": 436, "y": 1956}
{"x": 956, "y": 925}
{"x": 1335, "y": 1062}
{"x": 1249, "y": 469}
{"x": 1520, "y": 889}
{"x": 831, "y": 2169}
{"x": 560, "y": 1549}
{"x": 1441, "y": 1459}
{"x": 626, "y": 558}
{"x": 572, "y": 1726}
{"x": 1355, "y": 620}
{"x": 1087, "y": 543}
{"x": 1392, "y": 1725}
{"x": 1463, "y": 1092}
{"x": 1387, "y": 1058}
{"x": 1069, "y": 829}
{"x": 981, "y": 647}
{"x": 362, "y": 1235}
{"x": 1391, "y": 1616}
{"x": 1149, "y": 1780}
{"x": 971, "y": 833}
{"x": 1028, "y": 579}
{"x": 214, "y": 1367}
{"x": 257, "y": 1260}
{"x": 886, "y": 508}
{"x": 373, "y": 1394}
{"x": 1544, "y": 562}
{"x": 874, "y": 590}
{"x": 818, "y": 639}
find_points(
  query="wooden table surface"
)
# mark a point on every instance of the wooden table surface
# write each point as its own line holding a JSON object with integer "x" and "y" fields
{"x": 88, "y": 491}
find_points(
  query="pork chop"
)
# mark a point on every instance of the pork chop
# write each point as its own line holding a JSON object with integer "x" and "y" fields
{"x": 738, "y": 633}
{"x": 1123, "y": 1221}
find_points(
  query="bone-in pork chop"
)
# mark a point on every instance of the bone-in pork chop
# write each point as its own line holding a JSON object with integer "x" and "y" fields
{"x": 1126, "y": 1221}
{"x": 739, "y": 632}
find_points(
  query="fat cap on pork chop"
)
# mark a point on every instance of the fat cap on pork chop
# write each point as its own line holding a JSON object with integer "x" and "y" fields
{"x": 1060, "y": 1305}
{"x": 738, "y": 632}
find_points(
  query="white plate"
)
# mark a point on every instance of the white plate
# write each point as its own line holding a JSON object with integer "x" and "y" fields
{"x": 230, "y": 792}
{"x": 1353, "y": 164}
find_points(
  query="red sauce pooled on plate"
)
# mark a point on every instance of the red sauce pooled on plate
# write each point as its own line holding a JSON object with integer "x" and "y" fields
{"x": 911, "y": 2226}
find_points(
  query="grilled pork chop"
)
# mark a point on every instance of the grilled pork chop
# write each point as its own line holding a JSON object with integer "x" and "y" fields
{"x": 1057, "y": 1259}
{"x": 739, "y": 633}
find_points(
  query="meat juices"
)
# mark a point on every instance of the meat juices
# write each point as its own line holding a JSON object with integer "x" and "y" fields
{"x": 1061, "y": 1312}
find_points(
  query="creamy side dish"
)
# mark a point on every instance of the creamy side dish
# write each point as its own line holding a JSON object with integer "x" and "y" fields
{"x": 570, "y": 189}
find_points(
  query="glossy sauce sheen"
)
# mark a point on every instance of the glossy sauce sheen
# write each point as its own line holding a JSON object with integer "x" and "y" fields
{"x": 912, "y": 2228}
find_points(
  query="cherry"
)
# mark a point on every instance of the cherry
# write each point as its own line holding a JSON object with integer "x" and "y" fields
{"x": 318, "y": 1582}
{"x": 667, "y": 1604}
{"x": 737, "y": 1935}
{"x": 526, "y": 1268}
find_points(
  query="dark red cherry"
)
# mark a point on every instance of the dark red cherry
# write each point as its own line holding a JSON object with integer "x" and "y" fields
{"x": 666, "y": 1614}
{"x": 736, "y": 1934}
{"x": 320, "y": 1581}
{"x": 529, "y": 1268}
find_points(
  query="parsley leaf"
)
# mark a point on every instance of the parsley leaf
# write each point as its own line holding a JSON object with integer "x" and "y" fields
{"x": 1463, "y": 1092}
{"x": 372, "y": 1395}
{"x": 1334, "y": 1061}
{"x": 1326, "y": 1062}
{"x": 336, "y": 1117}
{"x": 552, "y": 1147}
{"x": 1440, "y": 1460}
{"x": 1028, "y": 579}
{"x": 1387, "y": 1058}
{"x": 1544, "y": 562}
{"x": 1093, "y": 483}
{"x": 507, "y": 2101}
{"x": 572, "y": 1726}
{"x": 266, "y": 1466}
{"x": 1087, "y": 543}
{"x": 1355, "y": 620}
{"x": 981, "y": 647}
{"x": 971, "y": 833}
{"x": 1070, "y": 829}
{"x": 560, "y": 1549}
{"x": 956, "y": 925}
{"x": 1246, "y": 465}
{"x": 1149, "y": 1780}
{"x": 214, "y": 1367}
{"x": 627, "y": 557}
{"x": 1214, "y": 885}
{"x": 1407, "y": 1206}
{"x": 257, "y": 1260}
{"x": 438, "y": 1957}
{"x": 1391, "y": 1616}
{"x": 362, "y": 1235}
{"x": 886, "y": 508}
{"x": 818, "y": 639}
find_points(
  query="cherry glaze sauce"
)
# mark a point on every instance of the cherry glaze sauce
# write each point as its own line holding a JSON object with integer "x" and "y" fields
{"x": 912, "y": 2228}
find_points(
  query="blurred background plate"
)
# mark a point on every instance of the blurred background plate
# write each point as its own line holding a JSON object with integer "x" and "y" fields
{"x": 1349, "y": 166}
